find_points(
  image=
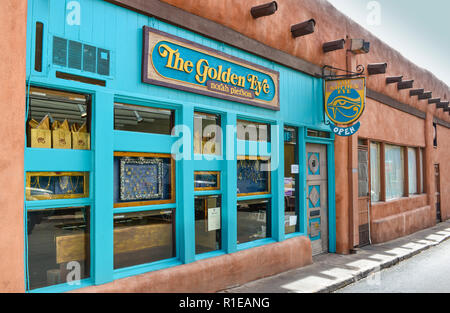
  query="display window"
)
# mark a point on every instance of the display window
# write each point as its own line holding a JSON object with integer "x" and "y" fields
{"x": 58, "y": 246}
{"x": 207, "y": 133}
{"x": 253, "y": 131}
{"x": 58, "y": 120}
{"x": 56, "y": 185}
{"x": 253, "y": 175}
{"x": 143, "y": 119}
{"x": 208, "y": 223}
{"x": 253, "y": 220}
{"x": 143, "y": 237}
{"x": 143, "y": 179}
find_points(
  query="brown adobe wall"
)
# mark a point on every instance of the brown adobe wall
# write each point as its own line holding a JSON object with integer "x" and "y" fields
{"x": 13, "y": 22}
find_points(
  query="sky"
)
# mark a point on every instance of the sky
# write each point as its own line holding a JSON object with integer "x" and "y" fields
{"x": 418, "y": 29}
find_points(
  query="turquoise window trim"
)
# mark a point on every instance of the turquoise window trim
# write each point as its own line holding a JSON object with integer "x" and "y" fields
{"x": 143, "y": 208}
{"x": 208, "y": 255}
{"x": 254, "y": 148}
{"x": 208, "y": 193}
{"x": 245, "y": 198}
{"x": 63, "y": 287}
{"x": 229, "y": 187}
{"x": 145, "y": 268}
{"x": 57, "y": 203}
{"x": 302, "y": 180}
{"x": 55, "y": 160}
{"x": 294, "y": 235}
{"x": 142, "y": 142}
{"x": 255, "y": 243}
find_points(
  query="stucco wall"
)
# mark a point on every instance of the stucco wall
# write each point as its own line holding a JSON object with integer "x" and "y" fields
{"x": 442, "y": 157}
{"x": 13, "y": 16}
{"x": 218, "y": 273}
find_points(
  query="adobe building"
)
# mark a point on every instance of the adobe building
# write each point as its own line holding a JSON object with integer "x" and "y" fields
{"x": 186, "y": 146}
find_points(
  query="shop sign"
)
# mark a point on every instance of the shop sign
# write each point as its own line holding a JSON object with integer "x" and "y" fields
{"x": 181, "y": 64}
{"x": 345, "y": 100}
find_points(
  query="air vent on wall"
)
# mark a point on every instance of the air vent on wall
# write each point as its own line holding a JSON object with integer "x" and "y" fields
{"x": 76, "y": 55}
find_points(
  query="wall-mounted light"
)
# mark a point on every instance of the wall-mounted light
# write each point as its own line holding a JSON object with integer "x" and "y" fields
{"x": 333, "y": 45}
{"x": 264, "y": 9}
{"x": 303, "y": 29}
{"x": 82, "y": 110}
{"x": 359, "y": 46}
{"x": 434, "y": 100}
{"x": 139, "y": 118}
{"x": 406, "y": 84}
{"x": 425, "y": 95}
{"x": 416, "y": 92}
{"x": 376, "y": 68}
{"x": 393, "y": 79}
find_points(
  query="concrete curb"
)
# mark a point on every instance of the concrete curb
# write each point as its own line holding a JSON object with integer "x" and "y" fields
{"x": 331, "y": 272}
{"x": 381, "y": 266}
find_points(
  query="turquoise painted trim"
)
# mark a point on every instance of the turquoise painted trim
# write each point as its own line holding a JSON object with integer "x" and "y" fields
{"x": 55, "y": 160}
{"x": 102, "y": 240}
{"x": 57, "y": 203}
{"x": 145, "y": 208}
{"x": 302, "y": 180}
{"x": 145, "y": 268}
{"x": 331, "y": 199}
{"x": 245, "y": 198}
{"x": 207, "y": 193}
{"x": 277, "y": 181}
{"x": 208, "y": 255}
{"x": 185, "y": 220}
{"x": 200, "y": 164}
{"x": 294, "y": 235}
{"x": 255, "y": 243}
{"x": 229, "y": 187}
{"x": 142, "y": 142}
{"x": 254, "y": 148}
{"x": 63, "y": 287}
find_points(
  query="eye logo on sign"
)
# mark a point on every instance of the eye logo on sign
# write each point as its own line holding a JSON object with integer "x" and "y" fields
{"x": 345, "y": 103}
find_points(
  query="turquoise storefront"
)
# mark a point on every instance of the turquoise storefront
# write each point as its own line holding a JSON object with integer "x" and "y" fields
{"x": 90, "y": 56}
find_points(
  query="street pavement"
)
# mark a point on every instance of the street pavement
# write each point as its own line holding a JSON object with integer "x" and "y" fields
{"x": 428, "y": 272}
{"x": 330, "y": 272}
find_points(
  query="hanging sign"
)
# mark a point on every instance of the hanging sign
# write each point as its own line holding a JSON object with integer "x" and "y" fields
{"x": 181, "y": 64}
{"x": 345, "y": 100}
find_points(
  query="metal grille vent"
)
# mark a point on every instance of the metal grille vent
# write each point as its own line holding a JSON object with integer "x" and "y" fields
{"x": 76, "y": 55}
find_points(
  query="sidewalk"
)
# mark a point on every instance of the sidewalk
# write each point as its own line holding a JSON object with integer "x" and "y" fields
{"x": 330, "y": 272}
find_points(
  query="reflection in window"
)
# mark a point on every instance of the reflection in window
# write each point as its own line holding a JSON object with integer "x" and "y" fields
{"x": 253, "y": 131}
{"x": 207, "y": 133}
{"x": 394, "y": 172}
{"x": 375, "y": 183}
{"x": 58, "y": 246}
{"x": 143, "y": 237}
{"x": 253, "y": 176}
{"x": 253, "y": 220}
{"x": 143, "y": 119}
{"x": 421, "y": 164}
{"x": 412, "y": 171}
{"x": 207, "y": 224}
{"x": 58, "y": 120}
